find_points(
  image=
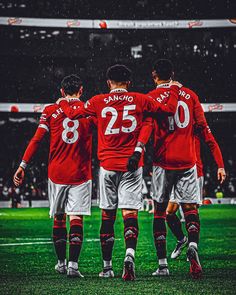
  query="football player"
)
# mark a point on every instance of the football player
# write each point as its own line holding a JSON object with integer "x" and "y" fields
{"x": 173, "y": 220}
{"x": 174, "y": 165}
{"x": 121, "y": 140}
{"x": 69, "y": 172}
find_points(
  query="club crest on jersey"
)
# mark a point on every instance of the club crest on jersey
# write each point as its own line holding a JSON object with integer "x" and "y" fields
{"x": 75, "y": 107}
{"x": 118, "y": 97}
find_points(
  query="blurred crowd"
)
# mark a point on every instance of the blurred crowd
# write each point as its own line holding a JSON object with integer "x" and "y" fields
{"x": 18, "y": 130}
{"x": 38, "y": 59}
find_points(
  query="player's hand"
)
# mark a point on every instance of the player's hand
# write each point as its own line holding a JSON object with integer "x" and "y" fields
{"x": 19, "y": 176}
{"x": 221, "y": 175}
{"x": 175, "y": 83}
{"x": 60, "y": 99}
{"x": 134, "y": 161}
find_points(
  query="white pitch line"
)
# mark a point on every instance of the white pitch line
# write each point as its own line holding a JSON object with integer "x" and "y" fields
{"x": 97, "y": 240}
{"x": 41, "y": 243}
{"x": 33, "y": 239}
{"x": 92, "y": 240}
{"x": 25, "y": 244}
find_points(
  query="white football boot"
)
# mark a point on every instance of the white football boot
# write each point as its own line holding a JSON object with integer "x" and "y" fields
{"x": 61, "y": 268}
{"x": 179, "y": 247}
{"x": 107, "y": 272}
{"x": 74, "y": 273}
{"x": 161, "y": 271}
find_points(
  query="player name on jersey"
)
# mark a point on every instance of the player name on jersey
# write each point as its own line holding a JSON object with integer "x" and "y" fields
{"x": 118, "y": 97}
{"x": 162, "y": 96}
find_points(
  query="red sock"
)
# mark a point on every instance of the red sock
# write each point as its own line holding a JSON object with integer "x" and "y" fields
{"x": 131, "y": 230}
{"x": 76, "y": 239}
{"x": 107, "y": 237}
{"x": 192, "y": 222}
{"x": 159, "y": 232}
{"x": 59, "y": 238}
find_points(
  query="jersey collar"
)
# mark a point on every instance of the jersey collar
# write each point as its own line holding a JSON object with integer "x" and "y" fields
{"x": 118, "y": 90}
{"x": 73, "y": 99}
{"x": 164, "y": 85}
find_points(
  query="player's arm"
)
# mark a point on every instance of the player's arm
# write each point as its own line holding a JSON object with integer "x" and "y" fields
{"x": 171, "y": 105}
{"x": 31, "y": 149}
{"x": 204, "y": 132}
{"x": 209, "y": 139}
{"x": 86, "y": 110}
{"x": 144, "y": 135}
{"x": 29, "y": 152}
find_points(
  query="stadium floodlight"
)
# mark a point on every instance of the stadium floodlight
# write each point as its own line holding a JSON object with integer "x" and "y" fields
{"x": 55, "y": 33}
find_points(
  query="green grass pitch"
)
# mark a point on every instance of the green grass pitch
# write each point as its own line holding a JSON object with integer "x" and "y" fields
{"x": 29, "y": 269}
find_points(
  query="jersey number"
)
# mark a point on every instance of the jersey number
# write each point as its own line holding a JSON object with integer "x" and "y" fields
{"x": 176, "y": 118}
{"x": 126, "y": 116}
{"x": 70, "y": 133}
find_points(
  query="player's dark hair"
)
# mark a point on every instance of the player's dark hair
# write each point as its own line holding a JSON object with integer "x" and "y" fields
{"x": 71, "y": 84}
{"x": 119, "y": 73}
{"x": 164, "y": 69}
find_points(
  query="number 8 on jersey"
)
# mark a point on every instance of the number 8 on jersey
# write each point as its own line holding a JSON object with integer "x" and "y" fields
{"x": 70, "y": 133}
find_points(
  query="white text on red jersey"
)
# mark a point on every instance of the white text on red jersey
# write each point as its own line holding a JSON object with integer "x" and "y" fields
{"x": 118, "y": 97}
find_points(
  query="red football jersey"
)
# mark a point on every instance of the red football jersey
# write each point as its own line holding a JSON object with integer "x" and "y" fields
{"x": 174, "y": 144}
{"x": 70, "y": 144}
{"x": 120, "y": 117}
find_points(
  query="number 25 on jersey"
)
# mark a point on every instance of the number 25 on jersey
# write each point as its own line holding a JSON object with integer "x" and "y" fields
{"x": 125, "y": 116}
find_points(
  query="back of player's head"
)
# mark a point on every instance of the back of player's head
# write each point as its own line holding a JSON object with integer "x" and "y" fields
{"x": 119, "y": 73}
{"x": 163, "y": 69}
{"x": 71, "y": 84}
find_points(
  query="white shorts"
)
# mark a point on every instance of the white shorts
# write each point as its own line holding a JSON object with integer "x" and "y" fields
{"x": 120, "y": 189}
{"x": 70, "y": 199}
{"x": 183, "y": 184}
{"x": 200, "y": 182}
